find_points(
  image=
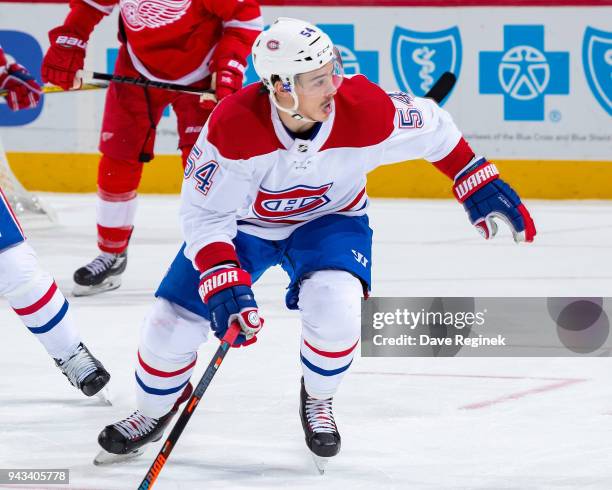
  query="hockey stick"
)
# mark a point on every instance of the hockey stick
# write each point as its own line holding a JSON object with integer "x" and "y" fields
{"x": 192, "y": 403}
{"x": 53, "y": 89}
{"x": 142, "y": 82}
{"x": 442, "y": 87}
{"x": 438, "y": 92}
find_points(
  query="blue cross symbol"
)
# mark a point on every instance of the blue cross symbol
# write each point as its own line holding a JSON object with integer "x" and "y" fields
{"x": 524, "y": 73}
{"x": 354, "y": 61}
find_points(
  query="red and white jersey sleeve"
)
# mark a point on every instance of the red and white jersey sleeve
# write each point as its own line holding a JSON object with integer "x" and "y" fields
{"x": 421, "y": 130}
{"x": 214, "y": 192}
{"x": 241, "y": 22}
{"x": 103, "y": 6}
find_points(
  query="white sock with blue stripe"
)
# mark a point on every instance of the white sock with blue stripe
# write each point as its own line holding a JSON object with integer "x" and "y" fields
{"x": 41, "y": 306}
{"x": 170, "y": 339}
{"x": 330, "y": 302}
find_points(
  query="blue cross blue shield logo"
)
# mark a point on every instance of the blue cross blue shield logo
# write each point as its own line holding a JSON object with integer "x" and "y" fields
{"x": 355, "y": 61}
{"x": 597, "y": 62}
{"x": 420, "y": 58}
{"x": 524, "y": 73}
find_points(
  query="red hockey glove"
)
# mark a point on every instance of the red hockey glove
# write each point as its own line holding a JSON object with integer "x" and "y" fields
{"x": 230, "y": 74}
{"x": 226, "y": 290}
{"x": 227, "y": 79}
{"x": 23, "y": 91}
{"x": 64, "y": 58}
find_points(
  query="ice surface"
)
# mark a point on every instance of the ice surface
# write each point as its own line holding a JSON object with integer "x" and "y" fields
{"x": 457, "y": 423}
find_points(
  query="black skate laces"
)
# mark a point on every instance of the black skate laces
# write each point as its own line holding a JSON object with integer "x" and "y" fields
{"x": 78, "y": 366}
{"x": 136, "y": 425}
{"x": 101, "y": 263}
{"x": 319, "y": 415}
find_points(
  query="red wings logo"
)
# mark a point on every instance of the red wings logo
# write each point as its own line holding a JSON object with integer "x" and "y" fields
{"x": 279, "y": 205}
{"x": 139, "y": 14}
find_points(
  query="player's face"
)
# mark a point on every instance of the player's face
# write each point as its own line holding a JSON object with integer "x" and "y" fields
{"x": 316, "y": 89}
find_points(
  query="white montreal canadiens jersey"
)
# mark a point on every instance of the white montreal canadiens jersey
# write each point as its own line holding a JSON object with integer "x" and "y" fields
{"x": 245, "y": 172}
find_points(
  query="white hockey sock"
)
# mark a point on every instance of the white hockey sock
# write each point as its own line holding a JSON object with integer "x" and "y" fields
{"x": 323, "y": 368}
{"x": 160, "y": 383}
{"x": 330, "y": 306}
{"x": 41, "y": 306}
{"x": 167, "y": 355}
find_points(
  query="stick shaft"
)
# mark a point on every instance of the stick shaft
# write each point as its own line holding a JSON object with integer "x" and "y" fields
{"x": 53, "y": 89}
{"x": 143, "y": 82}
{"x": 442, "y": 87}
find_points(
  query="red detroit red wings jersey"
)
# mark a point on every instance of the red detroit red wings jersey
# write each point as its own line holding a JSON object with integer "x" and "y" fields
{"x": 247, "y": 172}
{"x": 177, "y": 40}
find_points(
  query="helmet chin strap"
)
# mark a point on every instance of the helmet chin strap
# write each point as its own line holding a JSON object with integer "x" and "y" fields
{"x": 293, "y": 111}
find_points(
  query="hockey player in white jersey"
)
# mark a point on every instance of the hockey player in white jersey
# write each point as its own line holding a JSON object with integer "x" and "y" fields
{"x": 29, "y": 289}
{"x": 277, "y": 177}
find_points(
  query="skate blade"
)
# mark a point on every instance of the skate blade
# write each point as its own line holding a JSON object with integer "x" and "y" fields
{"x": 321, "y": 463}
{"x": 105, "y": 458}
{"x": 104, "y": 396}
{"x": 107, "y": 285}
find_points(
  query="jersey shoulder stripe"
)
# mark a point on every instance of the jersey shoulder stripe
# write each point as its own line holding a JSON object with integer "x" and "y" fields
{"x": 241, "y": 127}
{"x": 364, "y": 115}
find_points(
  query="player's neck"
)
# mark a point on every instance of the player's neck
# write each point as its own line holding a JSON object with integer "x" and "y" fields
{"x": 295, "y": 125}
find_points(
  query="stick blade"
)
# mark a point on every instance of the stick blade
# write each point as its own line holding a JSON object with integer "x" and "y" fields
{"x": 442, "y": 87}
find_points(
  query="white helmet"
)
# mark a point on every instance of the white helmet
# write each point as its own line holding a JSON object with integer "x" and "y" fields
{"x": 290, "y": 47}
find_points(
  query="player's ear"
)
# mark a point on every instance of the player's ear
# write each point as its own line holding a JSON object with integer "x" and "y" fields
{"x": 278, "y": 87}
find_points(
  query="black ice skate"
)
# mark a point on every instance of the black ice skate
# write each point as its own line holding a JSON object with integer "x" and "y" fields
{"x": 320, "y": 430}
{"x": 85, "y": 372}
{"x": 127, "y": 438}
{"x": 102, "y": 274}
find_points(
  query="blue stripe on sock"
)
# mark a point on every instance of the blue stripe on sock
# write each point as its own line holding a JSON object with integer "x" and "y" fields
{"x": 156, "y": 391}
{"x": 324, "y": 372}
{"x": 51, "y": 323}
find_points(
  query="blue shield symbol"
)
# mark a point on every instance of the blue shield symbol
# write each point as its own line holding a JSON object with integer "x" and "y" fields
{"x": 420, "y": 58}
{"x": 597, "y": 63}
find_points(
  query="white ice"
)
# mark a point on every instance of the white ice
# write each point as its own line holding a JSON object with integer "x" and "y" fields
{"x": 404, "y": 421}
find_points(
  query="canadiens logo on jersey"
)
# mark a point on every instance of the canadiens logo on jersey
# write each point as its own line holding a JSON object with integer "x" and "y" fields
{"x": 139, "y": 14}
{"x": 298, "y": 200}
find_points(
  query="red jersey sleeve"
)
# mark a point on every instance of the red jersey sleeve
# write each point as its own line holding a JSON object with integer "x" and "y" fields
{"x": 242, "y": 23}
{"x": 84, "y": 15}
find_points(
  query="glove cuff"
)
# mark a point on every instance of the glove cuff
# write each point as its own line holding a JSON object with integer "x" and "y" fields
{"x": 82, "y": 20}
{"x": 474, "y": 178}
{"x": 67, "y": 38}
{"x": 453, "y": 163}
{"x": 215, "y": 254}
{"x": 228, "y": 64}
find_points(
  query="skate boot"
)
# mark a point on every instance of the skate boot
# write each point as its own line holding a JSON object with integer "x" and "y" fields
{"x": 102, "y": 274}
{"x": 84, "y": 371}
{"x": 322, "y": 436}
{"x": 127, "y": 438}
